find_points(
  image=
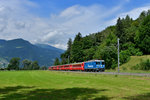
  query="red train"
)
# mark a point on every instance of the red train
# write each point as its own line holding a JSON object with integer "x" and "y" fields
{"x": 75, "y": 66}
{"x": 92, "y": 65}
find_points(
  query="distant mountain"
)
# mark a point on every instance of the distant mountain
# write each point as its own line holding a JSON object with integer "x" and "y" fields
{"x": 2, "y": 41}
{"x": 42, "y": 53}
{"x": 50, "y": 47}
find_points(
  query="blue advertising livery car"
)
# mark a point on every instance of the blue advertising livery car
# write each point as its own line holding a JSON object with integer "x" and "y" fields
{"x": 94, "y": 65}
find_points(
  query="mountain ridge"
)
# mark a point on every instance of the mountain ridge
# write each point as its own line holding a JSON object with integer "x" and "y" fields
{"x": 25, "y": 50}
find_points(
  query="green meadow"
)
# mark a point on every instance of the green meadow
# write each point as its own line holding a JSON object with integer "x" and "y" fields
{"x": 52, "y": 85}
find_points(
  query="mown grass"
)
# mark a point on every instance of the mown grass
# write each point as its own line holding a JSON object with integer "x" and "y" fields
{"x": 52, "y": 85}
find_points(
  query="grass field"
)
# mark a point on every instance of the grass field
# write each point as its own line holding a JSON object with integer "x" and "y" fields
{"x": 51, "y": 85}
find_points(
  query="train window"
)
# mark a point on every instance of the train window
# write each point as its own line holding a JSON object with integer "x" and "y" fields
{"x": 97, "y": 63}
{"x": 103, "y": 63}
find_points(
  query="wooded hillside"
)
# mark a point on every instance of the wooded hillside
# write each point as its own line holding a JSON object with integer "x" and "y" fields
{"x": 134, "y": 40}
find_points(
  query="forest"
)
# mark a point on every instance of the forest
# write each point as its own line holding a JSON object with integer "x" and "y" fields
{"x": 134, "y": 38}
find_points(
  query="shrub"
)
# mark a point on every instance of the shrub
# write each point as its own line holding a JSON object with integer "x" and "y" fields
{"x": 143, "y": 65}
{"x": 124, "y": 56}
{"x": 124, "y": 68}
{"x": 136, "y": 67}
{"x": 139, "y": 53}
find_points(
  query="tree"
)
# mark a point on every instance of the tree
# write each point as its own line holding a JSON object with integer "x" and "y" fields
{"x": 43, "y": 68}
{"x": 88, "y": 41}
{"x": 63, "y": 58}
{"x": 111, "y": 39}
{"x": 27, "y": 64}
{"x": 148, "y": 12}
{"x": 88, "y": 54}
{"x": 35, "y": 65}
{"x": 67, "y": 53}
{"x": 77, "y": 49}
{"x": 56, "y": 61}
{"x": 78, "y": 37}
{"x": 109, "y": 54}
{"x": 142, "y": 16}
{"x": 119, "y": 28}
{"x": 143, "y": 36}
{"x": 124, "y": 31}
{"x": 72, "y": 52}
{"x": 14, "y": 64}
{"x": 127, "y": 21}
{"x": 69, "y": 46}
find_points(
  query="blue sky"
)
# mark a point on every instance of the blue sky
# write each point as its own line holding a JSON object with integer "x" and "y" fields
{"x": 55, "y": 6}
{"x": 53, "y": 22}
{"x": 46, "y": 7}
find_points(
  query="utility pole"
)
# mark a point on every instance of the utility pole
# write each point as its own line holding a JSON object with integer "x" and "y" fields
{"x": 68, "y": 59}
{"x": 118, "y": 55}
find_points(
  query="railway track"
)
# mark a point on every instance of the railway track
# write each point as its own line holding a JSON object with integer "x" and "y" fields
{"x": 113, "y": 73}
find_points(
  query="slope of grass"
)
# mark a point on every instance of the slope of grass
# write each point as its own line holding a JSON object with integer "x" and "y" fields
{"x": 51, "y": 85}
{"x": 134, "y": 61}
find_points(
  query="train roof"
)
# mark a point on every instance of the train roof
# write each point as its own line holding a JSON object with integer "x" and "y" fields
{"x": 72, "y": 63}
{"x": 95, "y": 61}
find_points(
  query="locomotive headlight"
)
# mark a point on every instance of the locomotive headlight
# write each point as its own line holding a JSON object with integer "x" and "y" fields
{"x": 101, "y": 65}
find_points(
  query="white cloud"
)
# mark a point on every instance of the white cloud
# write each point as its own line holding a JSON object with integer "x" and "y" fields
{"x": 78, "y": 19}
{"x": 16, "y": 21}
{"x": 135, "y": 12}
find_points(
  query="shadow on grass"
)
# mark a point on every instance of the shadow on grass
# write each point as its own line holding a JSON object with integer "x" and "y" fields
{"x": 139, "y": 97}
{"x": 10, "y": 93}
{"x": 103, "y": 97}
{"x": 7, "y": 90}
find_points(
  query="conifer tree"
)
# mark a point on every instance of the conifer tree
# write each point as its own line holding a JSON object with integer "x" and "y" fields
{"x": 77, "y": 49}
{"x": 56, "y": 62}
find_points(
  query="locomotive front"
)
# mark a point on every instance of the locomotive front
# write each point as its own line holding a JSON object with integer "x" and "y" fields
{"x": 100, "y": 64}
